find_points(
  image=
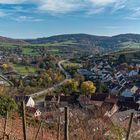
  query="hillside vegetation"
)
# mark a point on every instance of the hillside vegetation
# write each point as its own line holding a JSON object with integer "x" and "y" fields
{"x": 74, "y": 42}
{"x": 85, "y": 40}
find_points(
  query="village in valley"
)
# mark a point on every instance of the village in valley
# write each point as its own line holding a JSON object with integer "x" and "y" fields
{"x": 69, "y": 69}
{"x": 101, "y": 91}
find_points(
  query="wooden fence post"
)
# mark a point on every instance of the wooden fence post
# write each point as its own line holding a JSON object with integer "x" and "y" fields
{"x": 129, "y": 127}
{"x": 66, "y": 130}
{"x": 5, "y": 125}
{"x": 38, "y": 131}
{"x": 58, "y": 131}
{"x": 24, "y": 120}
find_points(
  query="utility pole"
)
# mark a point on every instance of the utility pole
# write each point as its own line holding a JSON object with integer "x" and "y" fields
{"x": 24, "y": 120}
{"x": 66, "y": 131}
{"x": 58, "y": 131}
{"x": 129, "y": 127}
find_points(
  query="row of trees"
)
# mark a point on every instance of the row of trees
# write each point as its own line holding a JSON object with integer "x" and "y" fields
{"x": 78, "y": 83}
{"x": 43, "y": 79}
{"x": 86, "y": 87}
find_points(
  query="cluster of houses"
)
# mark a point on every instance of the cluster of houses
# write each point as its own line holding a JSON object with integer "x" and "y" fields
{"x": 123, "y": 97}
{"x": 111, "y": 106}
{"x": 117, "y": 78}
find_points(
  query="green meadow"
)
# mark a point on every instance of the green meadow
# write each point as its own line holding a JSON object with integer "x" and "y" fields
{"x": 24, "y": 69}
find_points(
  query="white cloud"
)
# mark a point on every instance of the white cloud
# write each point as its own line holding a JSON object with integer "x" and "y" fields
{"x": 135, "y": 15}
{"x": 133, "y": 10}
{"x": 65, "y": 6}
{"x": 60, "y": 6}
{"x": 102, "y": 2}
{"x": 91, "y": 6}
{"x": 11, "y": 1}
{"x": 26, "y": 18}
{"x": 95, "y": 11}
{"x": 119, "y": 4}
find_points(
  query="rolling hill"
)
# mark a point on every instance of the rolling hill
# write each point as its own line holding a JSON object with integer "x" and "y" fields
{"x": 5, "y": 40}
{"x": 80, "y": 41}
{"x": 85, "y": 40}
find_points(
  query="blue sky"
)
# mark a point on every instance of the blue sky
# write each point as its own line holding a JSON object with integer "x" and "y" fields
{"x": 39, "y": 18}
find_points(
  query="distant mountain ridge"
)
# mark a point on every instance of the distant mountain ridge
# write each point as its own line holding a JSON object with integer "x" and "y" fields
{"x": 65, "y": 37}
{"x": 79, "y": 40}
{"x": 89, "y": 40}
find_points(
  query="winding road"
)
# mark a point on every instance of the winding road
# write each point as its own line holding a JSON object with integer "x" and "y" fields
{"x": 55, "y": 86}
{"x": 5, "y": 79}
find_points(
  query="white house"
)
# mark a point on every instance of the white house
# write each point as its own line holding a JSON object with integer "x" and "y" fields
{"x": 30, "y": 102}
{"x": 134, "y": 89}
{"x": 2, "y": 82}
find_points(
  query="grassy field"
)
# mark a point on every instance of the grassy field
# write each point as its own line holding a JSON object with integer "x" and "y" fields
{"x": 55, "y": 44}
{"x": 23, "y": 69}
{"x": 29, "y": 51}
{"x": 53, "y": 51}
{"x": 130, "y": 45}
{"x": 71, "y": 65}
{"x": 8, "y": 45}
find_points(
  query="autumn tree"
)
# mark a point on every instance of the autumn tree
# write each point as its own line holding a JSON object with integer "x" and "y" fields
{"x": 88, "y": 87}
{"x": 7, "y": 67}
{"x": 2, "y": 90}
{"x": 70, "y": 86}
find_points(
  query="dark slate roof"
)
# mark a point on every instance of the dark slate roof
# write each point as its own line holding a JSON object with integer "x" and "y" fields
{"x": 65, "y": 98}
{"x": 129, "y": 105}
{"x": 48, "y": 98}
{"x": 112, "y": 85}
{"x": 70, "y": 99}
{"x": 98, "y": 97}
{"x": 22, "y": 98}
{"x": 126, "y": 99}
